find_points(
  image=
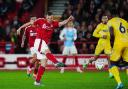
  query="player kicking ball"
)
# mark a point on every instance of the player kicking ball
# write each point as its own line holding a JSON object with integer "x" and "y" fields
{"x": 45, "y": 29}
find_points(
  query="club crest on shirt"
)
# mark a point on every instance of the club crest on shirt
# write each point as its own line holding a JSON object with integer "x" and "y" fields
{"x": 44, "y": 26}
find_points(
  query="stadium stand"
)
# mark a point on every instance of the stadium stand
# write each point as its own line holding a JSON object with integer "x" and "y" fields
{"x": 87, "y": 13}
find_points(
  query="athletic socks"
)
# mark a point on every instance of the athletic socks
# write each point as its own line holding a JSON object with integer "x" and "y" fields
{"x": 51, "y": 57}
{"x": 40, "y": 73}
{"x": 115, "y": 71}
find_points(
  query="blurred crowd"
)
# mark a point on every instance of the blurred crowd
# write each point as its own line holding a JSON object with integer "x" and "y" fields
{"x": 87, "y": 15}
{"x": 13, "y": 13}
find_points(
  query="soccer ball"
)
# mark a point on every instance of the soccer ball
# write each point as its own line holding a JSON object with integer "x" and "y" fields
{"x": 99, "y": 65}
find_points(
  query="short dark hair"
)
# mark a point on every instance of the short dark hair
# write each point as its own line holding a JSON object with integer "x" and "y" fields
{"x": 31, "y": 16}
{"x": 49, "y": 13}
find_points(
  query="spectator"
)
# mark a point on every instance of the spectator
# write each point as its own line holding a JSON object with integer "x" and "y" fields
{"x": 84, "y": 49}
{"x": 91, "y": 49}
{"x": 87, "y": 13}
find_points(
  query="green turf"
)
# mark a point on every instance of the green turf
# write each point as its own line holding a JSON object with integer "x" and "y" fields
{"x": 55, "y": 80}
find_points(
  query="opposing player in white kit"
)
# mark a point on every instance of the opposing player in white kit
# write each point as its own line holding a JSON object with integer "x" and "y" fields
{"x": 69, "y": 35}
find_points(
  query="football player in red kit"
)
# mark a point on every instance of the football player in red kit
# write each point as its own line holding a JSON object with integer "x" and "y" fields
{"x": 30, "y": 35}
{"x": 45, "y": 28}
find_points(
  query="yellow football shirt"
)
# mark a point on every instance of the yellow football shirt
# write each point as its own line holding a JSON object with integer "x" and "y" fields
{"x": 120, "y": 27}
{"x": 103, "y": 44}
{"x": 102, "y": 29}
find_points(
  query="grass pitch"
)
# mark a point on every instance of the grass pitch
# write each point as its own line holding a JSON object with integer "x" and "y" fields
{"x": 55, "y": 80}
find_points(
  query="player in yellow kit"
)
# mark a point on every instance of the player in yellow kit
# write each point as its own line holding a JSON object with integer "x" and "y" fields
{"x": 120, "y": 47}
{"x": 102, "y": 32}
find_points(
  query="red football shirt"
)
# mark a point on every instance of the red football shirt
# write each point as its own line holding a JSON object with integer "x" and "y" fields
{"x": 45, "y": 29}
{"x": 30, "y": 33}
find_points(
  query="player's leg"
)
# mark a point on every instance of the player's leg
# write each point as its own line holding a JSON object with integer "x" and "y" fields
{"x": 44, "y": 49}
{"x": 52, "y": 58}
{"x": 109, "y": 64}
{"x": 63, "y": 61}
{"x": 108, "y": 51}
{"x": 32, "y": 61}
{"x": 99, "y": 48}
{"x": 73, "y": 51}
{"x": 65, "y": 54}
{"x": 36, "y": 66}
{"x": 115, "y": 71}
{"x": 78, "y": 69}
{"x": 41, "y": 46}
{"x": 125, "y": 58}
{"x": 41, "y": 69}
{"x": 116, "y": 54}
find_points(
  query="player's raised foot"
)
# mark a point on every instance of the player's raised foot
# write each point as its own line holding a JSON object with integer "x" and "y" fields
{"x": 111, "y": 76}
{"x": 120, "y": 86}
{"x": 62, "y": 70}
{"x": 79, "y": 70}
{"x": 60, "y": 64}
{"x": 29, "y": 71}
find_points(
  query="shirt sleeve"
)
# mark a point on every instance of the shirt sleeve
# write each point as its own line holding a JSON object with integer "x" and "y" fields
{"x": 38, "y": 21}
{"x": 56, "y": 24}
{"x": 96, "y": 32}
{"x": 61, "y": 36}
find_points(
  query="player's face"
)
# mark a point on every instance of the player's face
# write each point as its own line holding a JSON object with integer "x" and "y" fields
{"x": 105, "y": 19}
{"x": 70, "y": 24}
{"x": 49, "y": 18}
{"x": 32, "y": 19}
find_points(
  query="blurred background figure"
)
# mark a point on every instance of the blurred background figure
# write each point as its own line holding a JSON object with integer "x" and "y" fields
{"x": 69, "y": 35}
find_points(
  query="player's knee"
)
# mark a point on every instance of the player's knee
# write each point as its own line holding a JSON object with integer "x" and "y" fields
{"x": 34, "y": 56}
{"x": 44, "y": 62}
{"x": 47, "y": 51}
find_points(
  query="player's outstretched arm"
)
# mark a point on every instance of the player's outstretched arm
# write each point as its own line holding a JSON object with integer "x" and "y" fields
{"x": 66, "y": 21}
{"x": 23, "y": 39}
{"x": 23, "y": 26}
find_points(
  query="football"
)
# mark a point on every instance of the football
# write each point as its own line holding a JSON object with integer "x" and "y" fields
{"x": 99, "y": 65}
